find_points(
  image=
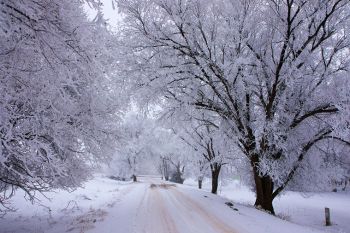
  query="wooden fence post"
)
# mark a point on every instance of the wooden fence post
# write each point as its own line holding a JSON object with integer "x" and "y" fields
{"x": 328, "y": 216}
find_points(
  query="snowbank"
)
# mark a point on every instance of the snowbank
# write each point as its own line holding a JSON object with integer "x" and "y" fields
{"x": 305, "y": 209}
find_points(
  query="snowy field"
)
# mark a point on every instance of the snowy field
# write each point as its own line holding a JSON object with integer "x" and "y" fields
{"x": 105, "y": 206}
{"x": 77, "y": 211}
{"x": 305, "y": 209}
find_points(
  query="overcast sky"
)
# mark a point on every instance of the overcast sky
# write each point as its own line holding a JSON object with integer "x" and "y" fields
{"x": 110, "y": 14}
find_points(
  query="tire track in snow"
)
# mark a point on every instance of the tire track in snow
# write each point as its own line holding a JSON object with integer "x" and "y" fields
{"x": 164, "y": 213}
{"x": 153, "y": 216}
{"x": 165, "y": 209}
{"x": 190, "y": 204}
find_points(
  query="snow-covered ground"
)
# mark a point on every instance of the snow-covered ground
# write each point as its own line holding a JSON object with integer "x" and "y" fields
{"x": 75, "y": 211}
{"x": 305, "y": 209}
{"x": 108, "y": 206}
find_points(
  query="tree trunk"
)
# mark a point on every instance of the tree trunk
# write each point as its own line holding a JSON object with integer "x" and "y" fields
{"x": 345, "y": 184}
{"x": 215, "y": 171}
{"x": 263, "y": 190}
{"x": 200, "y": 183}
{"x": 167, "y": 178}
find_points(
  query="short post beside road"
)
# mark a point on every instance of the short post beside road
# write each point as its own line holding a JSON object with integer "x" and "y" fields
{"x": 328, "y": 216}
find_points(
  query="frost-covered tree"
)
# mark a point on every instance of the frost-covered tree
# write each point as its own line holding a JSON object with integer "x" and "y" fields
{"x": 58, "y": 105}
{"x": 275, "y": 71}
{"x": 200, "y": 169}
{"x": 202, "y": 134}
{"x": 174, "y": 154}
{"x": 137, "y": 144}
{"x": 164, "y": 167}
{"x": 145, "y": 141}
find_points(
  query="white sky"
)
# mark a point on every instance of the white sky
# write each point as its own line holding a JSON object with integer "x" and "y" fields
{"x": 110, "y": 14}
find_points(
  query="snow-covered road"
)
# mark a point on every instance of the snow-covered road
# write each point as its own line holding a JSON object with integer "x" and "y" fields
{"x": 165, "y": 208}
{"x": 153, "y": 206}
{"x": 104, "y": 205}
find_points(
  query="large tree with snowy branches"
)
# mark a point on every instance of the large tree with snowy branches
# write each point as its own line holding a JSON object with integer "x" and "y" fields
{"x": 58, "y": 108}
{"x": 275, "y": 71}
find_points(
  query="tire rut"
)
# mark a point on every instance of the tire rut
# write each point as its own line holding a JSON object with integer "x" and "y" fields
{"x": 216, "y": 223}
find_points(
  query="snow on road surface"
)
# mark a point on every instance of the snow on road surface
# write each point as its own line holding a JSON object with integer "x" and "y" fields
{"x": 148, "y": 206}
{"x": 153, "y": 206}
{"x": 166, "y": 209}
